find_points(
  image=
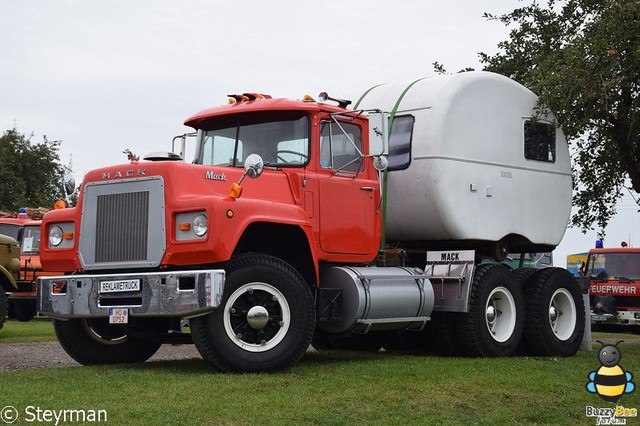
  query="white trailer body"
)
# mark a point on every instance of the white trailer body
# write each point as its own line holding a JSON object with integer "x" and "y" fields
{"x": 469, "y": 177}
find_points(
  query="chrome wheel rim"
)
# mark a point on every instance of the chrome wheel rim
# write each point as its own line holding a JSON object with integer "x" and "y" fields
{"x": 257, "y": 317}
{"x": 500, "y": 314}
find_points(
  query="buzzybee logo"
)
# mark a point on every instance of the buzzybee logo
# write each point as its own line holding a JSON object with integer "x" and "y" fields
{"x": 610, "y": 382}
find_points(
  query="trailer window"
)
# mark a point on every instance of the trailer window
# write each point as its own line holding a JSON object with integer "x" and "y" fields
{"x": 340, "y": 146}
{"x": 539, "y": 141}
{"x": 400, "y": 142}
{"x": 281, "y": 138}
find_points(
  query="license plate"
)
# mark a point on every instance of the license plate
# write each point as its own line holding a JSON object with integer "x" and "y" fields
{"x": 118, "y": 316}
{"x": 119, "y": 286}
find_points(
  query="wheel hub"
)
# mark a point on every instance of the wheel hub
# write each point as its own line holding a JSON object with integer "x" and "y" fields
{"x": 257, "y": 317}
{"x": 553, "y": 314}
{"x": 500, "y": 314}
{"x": 562, "y": 314}
{"x": 491, "y": 315}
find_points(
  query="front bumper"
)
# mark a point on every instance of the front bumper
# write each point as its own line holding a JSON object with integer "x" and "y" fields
{"x": 622, "y": 318}
{"x": 161, "y": 294}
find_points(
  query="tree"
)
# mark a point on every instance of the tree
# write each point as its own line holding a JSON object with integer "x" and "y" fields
{"x": 582, "y": 57}
{"x": 30, "y": 174}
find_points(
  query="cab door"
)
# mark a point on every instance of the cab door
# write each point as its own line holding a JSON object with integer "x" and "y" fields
{"x": 348, "y": 196}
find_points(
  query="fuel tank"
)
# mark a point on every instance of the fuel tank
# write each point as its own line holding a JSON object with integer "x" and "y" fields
{"x": 363, "y": 299}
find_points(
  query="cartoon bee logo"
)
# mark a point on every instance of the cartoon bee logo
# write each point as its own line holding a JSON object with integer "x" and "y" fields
{"x": 610, "y": 382}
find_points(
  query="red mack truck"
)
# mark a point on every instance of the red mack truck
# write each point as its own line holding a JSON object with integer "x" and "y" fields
{"x": 378, "y": 223}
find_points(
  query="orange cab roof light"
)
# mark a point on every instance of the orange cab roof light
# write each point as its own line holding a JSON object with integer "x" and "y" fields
{"x": 244, "y": 97}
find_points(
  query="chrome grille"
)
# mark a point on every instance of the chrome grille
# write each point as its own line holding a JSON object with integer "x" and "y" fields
{"x": 123, "y": 224}
{"x": 122, "y": 227}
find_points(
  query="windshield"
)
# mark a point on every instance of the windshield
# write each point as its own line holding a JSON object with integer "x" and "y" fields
{"x": 281, "y": 138}
{"x": 30, "y": 240}
{"x": 11, "y": 230}
{"x": 615, "y": 266}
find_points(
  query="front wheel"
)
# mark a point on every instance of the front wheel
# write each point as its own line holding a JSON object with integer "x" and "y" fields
{"x": 93, "y": 341}
{"x": 493, "y": 326}
{"x": 266, "y": 320}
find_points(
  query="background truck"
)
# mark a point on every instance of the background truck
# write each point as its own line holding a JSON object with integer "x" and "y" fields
{"x": 380, "y": 224}
{"x": 614, "y": 288}
{"x": 9, "y": 266}
{"x": 22, "y": 300}
{"x": 24, "y": 226}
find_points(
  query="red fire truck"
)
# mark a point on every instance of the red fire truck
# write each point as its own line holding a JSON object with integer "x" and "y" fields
{"x": 614, "y": 287}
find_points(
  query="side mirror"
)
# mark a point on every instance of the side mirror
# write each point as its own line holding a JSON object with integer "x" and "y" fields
{"x": 378, "y": 133}
{"x": 69, "y": 183}
{"x": 253, "y": 166}
{"x": 380, "y": 163}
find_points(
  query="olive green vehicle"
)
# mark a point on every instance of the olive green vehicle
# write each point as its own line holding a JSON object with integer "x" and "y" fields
{"x": 9, "y": 267}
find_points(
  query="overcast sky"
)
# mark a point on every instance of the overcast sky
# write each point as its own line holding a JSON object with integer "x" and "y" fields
{"x": 105, "y": 75}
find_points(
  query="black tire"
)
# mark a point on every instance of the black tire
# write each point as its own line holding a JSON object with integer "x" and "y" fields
{"x": 283, "y": 311}
{"x": 94, "y": 341}
{"x": 24, "y": 311}
{"x": 524, "y": 278}
{"x": 493, "y": 326}
{"x": 554, "y": 313}
{"x": 4, "y": 307}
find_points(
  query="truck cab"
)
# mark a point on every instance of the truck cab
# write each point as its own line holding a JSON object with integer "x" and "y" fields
{"x": 160, "y": 239}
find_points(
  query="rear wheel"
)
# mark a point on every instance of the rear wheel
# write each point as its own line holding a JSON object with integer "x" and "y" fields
{"x": 493, "y": 326}
{"x": 94, "y": 341}
{"x": 555, "y": 313}
{"x": 266, "y": 320}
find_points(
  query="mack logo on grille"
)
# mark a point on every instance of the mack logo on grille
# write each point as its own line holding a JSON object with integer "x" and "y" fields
{"x": 123, "y": 173}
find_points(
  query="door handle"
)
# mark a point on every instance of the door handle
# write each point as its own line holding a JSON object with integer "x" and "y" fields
{"x": 367, "y": 188}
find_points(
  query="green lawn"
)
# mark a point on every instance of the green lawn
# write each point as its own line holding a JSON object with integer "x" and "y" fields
{"x": 327, "y": 388}
{"x": 36, "y": 330}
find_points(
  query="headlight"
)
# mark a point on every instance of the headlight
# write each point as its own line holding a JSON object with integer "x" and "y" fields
{"x": 200, "y": 225}
{"x": 55, "y": 235}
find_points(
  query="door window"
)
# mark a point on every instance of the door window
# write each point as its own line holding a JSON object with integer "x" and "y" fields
{"x": 340, "y": 146}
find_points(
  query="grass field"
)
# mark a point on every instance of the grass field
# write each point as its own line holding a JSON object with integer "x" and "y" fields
{"x": 325, "y": 388}
{"x": 37, "y": 330}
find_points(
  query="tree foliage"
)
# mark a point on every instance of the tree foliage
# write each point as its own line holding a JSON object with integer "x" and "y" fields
{"x": 30, "y": 173}
{"x": 582, "y": 57}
